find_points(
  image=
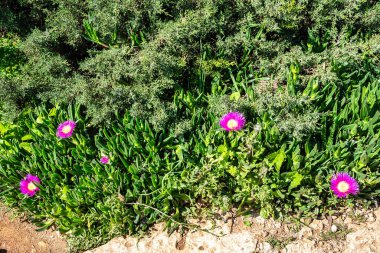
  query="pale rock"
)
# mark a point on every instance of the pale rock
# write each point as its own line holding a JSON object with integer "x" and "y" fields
{"x": 42, "y": 244}
{"x": 267, "y": 247}
{"x": 370, "y": 217}
{"x": 277, "y": 225}
{"x": 348, "y": 220}
{"x": 305, "y": 232}
{"x": 303, "y": 246}
{"x": 364, "y": 240}
{"x": 316, "y": 225}
{"x": 260, "y": 220}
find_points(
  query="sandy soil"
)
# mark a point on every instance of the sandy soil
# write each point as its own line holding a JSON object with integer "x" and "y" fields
{"x": 19, "y": 236}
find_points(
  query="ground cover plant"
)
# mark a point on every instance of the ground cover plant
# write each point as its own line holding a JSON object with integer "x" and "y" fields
{"x": 130, "y": 113}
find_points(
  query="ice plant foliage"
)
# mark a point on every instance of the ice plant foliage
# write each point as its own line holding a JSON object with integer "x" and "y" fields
{"x": 232, "y": 121}
{"x": 104, "y": 159}
{"x": 66, "y": 129}
{"x": 28, "y": 185}
{"x": 342, "y": 184}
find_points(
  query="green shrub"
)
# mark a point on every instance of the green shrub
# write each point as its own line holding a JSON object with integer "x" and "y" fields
{"x": 11, "y": 60}
{"x": 10, "y": 56}
{"x": 133, "y": 55}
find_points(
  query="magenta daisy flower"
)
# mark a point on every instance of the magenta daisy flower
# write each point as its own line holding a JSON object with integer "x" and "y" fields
{"x": 342, "y": 184}
{"x": 104, "y": 159}
{"x": 65, "y": 129}
{"x": 232, "y": 121}
{"x": 28, "y": 185}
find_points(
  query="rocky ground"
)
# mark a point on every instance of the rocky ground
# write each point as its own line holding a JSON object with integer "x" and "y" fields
{"x": 358, "y": 232}
{"x": 355, "y": 232}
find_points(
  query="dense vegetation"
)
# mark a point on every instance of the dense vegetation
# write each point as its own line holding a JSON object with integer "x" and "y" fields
{"x": 147, "y": 83}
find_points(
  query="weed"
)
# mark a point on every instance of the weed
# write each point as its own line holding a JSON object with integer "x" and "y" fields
{"x": 279, "y": 243}
{"x": 340, "y": 234}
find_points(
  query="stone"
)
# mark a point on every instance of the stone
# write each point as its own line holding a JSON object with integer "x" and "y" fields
{"x": 370, "y": 217}
{"x": 316, "y": 225}
{"x": 42, "y": 244}
{"x": 334, "y": 228}
{"x": 364, "y": 240}
{"x": 348, "y": 220}
{"x": 267, "y": 247}
{"x": 304, "y": 246}
{"x": 305, "y": 232}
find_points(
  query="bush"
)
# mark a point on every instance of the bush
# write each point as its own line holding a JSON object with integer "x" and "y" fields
{"x": 10, "y": 56}
{"x": 133, "y": 55}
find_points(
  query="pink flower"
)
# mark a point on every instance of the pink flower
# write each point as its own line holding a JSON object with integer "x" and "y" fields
{"x": 232, "y": 121}
{"x": 342, "y": 184}
{"x": 65, "y": 129}
{"x": 104, "y": 159}
{"x": 28, "y": 185}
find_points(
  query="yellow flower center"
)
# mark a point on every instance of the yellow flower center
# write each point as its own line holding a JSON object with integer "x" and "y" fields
{"x": 232, "y": 124}
{"x": 343, "y": 186}
{"x": 31, "y": 186}
{"x": 66, "y": 129}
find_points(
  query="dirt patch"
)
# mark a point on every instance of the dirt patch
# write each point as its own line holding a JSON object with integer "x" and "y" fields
{"x": 19, "y": 236}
